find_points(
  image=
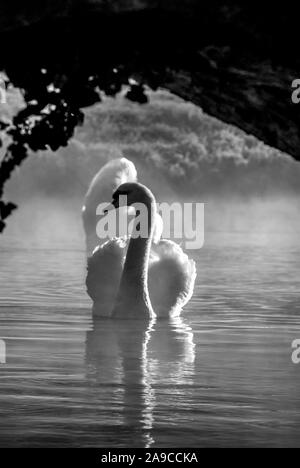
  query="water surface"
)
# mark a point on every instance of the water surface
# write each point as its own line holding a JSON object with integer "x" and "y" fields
{"x": 220, "y": 376}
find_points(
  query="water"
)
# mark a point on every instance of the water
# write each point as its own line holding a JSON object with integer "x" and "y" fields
{"x": 220, "y": 376}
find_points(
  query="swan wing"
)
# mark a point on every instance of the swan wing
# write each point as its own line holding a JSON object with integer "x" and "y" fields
{"x": 105, "y": 268}
{"x": 105, "y": 182}
{"x": 171, "y": 280}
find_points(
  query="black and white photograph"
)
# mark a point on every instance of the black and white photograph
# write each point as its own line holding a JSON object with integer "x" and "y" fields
{"x": 149, "y": 227}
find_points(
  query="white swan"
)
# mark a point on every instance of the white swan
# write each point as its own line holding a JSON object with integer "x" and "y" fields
{"x": 140, "y": 285}
{"x": 105, "y": 182}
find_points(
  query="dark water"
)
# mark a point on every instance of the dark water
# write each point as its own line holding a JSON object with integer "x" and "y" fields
{"x": 220, "y": 376}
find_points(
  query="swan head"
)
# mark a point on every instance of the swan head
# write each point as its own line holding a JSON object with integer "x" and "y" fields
{"x": 134, "y": 193}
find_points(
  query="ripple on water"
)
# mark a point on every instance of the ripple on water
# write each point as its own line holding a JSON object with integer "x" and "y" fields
{"x": 220, "y": 376}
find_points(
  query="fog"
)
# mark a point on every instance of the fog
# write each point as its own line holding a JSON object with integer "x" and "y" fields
{"x": 180, "y": 153}
{"x": 53, "y": 222}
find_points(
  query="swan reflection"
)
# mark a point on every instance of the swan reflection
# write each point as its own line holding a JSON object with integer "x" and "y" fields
{"x": 132, "y": 358}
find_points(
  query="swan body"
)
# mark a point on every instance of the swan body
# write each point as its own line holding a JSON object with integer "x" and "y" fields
{"x": 140, "y": 280}
{"x": 105, "y": 182}
{"x": 172, "y": 277}
{"x": 105, "y": 269}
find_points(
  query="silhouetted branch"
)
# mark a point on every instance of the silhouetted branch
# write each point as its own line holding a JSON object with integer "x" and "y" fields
{"x": 52, "y": 113}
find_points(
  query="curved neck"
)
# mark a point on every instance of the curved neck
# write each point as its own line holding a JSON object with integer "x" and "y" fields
{"x": 133, "y": 298}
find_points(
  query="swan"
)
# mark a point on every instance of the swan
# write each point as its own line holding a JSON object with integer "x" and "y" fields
{"x": 138, "y": 283}
{"x": 105, "y": 182}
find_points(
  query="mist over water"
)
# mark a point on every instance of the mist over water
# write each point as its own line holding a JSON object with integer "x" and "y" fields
{"x": 46, "y": 221}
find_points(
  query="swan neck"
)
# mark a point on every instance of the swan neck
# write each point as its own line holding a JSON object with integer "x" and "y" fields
{"x": 133, "y": 298}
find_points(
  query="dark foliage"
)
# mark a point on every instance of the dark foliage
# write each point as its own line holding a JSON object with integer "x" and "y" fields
{"x": 226, "y": 57}
{"x": 52, "y": 113}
